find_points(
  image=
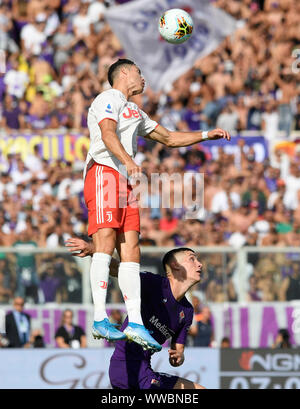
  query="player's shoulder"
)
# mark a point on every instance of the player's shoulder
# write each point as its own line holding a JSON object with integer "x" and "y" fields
{"x": 109, "y": 95}
{"x": 187, "y": 305}
{"x": 146, "y": 275}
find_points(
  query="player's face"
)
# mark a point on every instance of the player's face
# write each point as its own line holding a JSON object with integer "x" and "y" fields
{"x": 191, "y": 265}
{"x": 135, "y": 79}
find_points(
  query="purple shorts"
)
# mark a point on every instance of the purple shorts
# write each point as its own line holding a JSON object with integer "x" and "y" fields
{"x": 138, "y": 375}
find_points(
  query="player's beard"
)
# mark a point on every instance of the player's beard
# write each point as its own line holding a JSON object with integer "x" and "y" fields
{"x": 138, "y": 91}
{"x": 138, "y": 88}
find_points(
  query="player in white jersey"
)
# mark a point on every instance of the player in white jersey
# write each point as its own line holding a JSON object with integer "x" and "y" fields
{"x": 114, "y": 124}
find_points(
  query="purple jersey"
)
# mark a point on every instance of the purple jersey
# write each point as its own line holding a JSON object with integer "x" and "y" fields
{"x": 161, "y": 313}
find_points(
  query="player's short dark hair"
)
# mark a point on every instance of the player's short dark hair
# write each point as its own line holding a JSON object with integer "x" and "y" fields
{"x": 169, "y": 256}
{"x": 114, "y": 69}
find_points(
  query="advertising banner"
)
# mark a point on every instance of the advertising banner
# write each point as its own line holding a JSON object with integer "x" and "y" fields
{"x": 72, "y": 147}
{"x": 88, "y": 369}
{"x": 67, "y": 146}
{"x": 260, "y": 369}
{"x": 258, "y": 143}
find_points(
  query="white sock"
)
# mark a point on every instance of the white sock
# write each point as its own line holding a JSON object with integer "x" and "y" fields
{"x": 99, "y": 274}
{"x": 130, "y": 285}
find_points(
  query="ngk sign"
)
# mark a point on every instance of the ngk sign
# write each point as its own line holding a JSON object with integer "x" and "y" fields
{"x": 260, "y": 368}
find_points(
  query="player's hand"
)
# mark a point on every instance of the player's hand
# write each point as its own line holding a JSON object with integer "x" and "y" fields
{"x": 133, "y": 170}
{"x": 218, "y": 133}
{"x": 175, "y": 358}
{"x": 81, "y": 247}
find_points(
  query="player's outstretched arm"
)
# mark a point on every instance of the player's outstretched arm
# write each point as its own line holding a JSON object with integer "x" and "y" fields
{"x": 180, "y": 139}
{"x": 82, "y": 248}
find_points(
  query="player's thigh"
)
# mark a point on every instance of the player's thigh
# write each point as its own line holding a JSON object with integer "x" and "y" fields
{"x": 127, "y": 245}
{"x": 186, "y": 384}
{"x": 105, "y": 240}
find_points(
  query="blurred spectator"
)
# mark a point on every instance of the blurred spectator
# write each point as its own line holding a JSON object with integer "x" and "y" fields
{"x": 82, "y": 24}
{"x": 72, "y": 284}
{"x": 6, "y": 26}
{"x": 270, "y": 121}
{"x": 290, "y": 286}
{"x": 17, "y": 325}
{"x": 49, "y": 284}
{"x": 34, "y": 161}
{"x": 36, "y": 339}
{"x": 282, "y": 339}
{"x": 168, "y": 223}
{"x": 95, "y": 12}
{"x": 6, "y": 282}
{"x": 225, "y": 199}
{"x": 254, "y": 293}
{"x": 225, "y": 343}
{"x": 4, "y": 343}
{"x": 27, "y": 279}
{"x": 201, "y": 329}
{"x": 15, "y": 80}
{"x": 297, "y": 117}
{"x": 286, "y": 84}
{"x": 194, "y": 116}
{"x": 21, "y": 174}
{"x": 63, "y": 41}
{"x": 69, "y": 335}
{"x": 228, "y": 119}
{"x": 33, "y": 36}
{"x": 254, "y": 197}
{"x": 11, "y": 115}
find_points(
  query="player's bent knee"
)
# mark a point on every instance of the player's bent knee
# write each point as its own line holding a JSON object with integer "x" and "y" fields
{"x": 186, "y": 384}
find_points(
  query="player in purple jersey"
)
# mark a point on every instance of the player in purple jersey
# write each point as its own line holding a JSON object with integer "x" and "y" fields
{"x": 166, "y": 313}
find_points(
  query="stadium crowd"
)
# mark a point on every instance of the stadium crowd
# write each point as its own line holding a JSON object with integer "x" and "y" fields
{"x": 57, "y": 56}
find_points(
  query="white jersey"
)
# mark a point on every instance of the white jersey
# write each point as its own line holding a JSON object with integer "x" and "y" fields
{"x": 131, "y": 122}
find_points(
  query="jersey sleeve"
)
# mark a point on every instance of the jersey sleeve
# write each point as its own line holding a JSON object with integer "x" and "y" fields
{"x": 106, "y": 106}
{"x": 181, "y": 336}
{"x": 147, "y": 125}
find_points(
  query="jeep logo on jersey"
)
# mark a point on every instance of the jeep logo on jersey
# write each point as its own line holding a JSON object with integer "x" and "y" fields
{"x": 132, "y": 113}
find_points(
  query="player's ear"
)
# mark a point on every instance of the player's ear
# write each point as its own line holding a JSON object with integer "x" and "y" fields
{"x": 124, "y": 70}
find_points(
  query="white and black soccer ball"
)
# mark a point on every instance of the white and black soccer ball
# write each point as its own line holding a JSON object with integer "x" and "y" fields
{"x": 176, "y": 26}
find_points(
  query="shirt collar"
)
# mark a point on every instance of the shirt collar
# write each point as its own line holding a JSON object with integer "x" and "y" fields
{"x": 121, "y": 93}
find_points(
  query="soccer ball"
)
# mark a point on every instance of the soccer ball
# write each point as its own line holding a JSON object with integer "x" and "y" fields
{"x": 176, "y": 26}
